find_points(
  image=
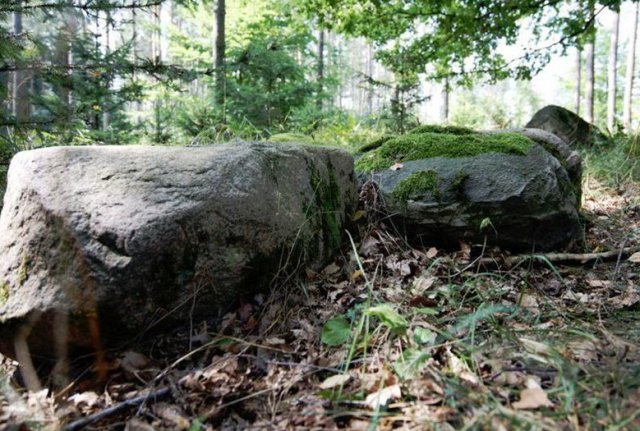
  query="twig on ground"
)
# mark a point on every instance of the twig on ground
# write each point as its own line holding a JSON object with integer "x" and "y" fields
{"x": 568, "y": 258}
{"x": 124, "y": 405}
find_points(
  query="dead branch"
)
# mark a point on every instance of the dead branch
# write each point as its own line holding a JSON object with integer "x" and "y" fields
{"x": 124, "y": 405}
{"x": 566, "y": 258}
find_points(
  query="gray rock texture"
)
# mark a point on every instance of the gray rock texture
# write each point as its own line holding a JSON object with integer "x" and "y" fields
{"x": 130, "y": 237}
{"x": 569, "y": 158}
{"x": 527, "y": 198}
{"x": 566, "y": 125}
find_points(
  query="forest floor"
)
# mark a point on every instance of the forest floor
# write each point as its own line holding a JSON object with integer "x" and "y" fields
{"x": 392, "y": 337}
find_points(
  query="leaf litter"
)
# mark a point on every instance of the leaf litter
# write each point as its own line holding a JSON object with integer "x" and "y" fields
{"x": 387, "y": 337}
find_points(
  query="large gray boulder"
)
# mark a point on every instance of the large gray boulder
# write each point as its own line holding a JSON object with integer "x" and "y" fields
{"x": 567, "y": 125}
{"x": 127, "y": 237}
{"x": 501, "y": 187}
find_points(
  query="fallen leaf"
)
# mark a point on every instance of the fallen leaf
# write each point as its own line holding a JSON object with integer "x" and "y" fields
{"x": 533, "y": 346}
{"x": 635, "y": 257}
{"x": 331, "y": 269}
{"x": 382, "y": 397}
{"x": 274, "y": 341}
{"x": 461, "y": 369}
{"x": 333, "y": 381}
{"x": 357, "y": 274}
{"x": 432, "y": 252}
{"x": 533, "y": 397}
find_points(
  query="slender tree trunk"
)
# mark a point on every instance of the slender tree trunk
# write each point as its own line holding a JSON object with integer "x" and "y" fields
{"x": 446, "y": 89}
{"x": 611, "y": 81}
{"x": 631, "y": 64}
{"x": 220, "y": 80}
{"x": 157, "y": 58}
{"x": 107, "y": 50}
{"x": 320, "y": 76}
{"x": 578, "y": 79}
{"x": 590, "y": 72}
{"x": 20, "y": 106}
{"x": 370, "y": 87}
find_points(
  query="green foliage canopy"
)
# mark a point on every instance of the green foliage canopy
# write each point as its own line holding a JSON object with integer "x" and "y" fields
{"x": 462, "y": 38}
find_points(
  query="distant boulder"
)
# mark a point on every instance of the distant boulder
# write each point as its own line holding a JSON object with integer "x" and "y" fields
{"x": 569, "y": 158}
{"x": 567, "y": 125}
{"x": 124, "y": 238}
{"x": 500, "y": 186}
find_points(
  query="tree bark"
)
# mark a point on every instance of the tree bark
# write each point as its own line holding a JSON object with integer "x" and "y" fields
{"x": 590, "y": 72}
{"x": 578, "y": 78}
{"x": 220, "y": 81}
{"x": 320, "y": 75}
{"x": 20, "y": 106}
{"x": 631, "y": 64}
{"x": 446, "y": 89}
{"x": 611, "y": 80}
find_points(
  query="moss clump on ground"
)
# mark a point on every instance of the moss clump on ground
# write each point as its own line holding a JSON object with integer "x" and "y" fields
{"x": 428, "y": 145}
{"x": 291, "y": 137}
{"x": 449, "y": 130}
{"x": 415, "y": 184}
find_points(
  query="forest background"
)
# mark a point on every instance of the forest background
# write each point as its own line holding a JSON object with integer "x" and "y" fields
{"x": 196, "y": 72}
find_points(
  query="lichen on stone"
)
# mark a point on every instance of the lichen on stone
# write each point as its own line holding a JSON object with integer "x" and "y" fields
{"x": 415, "y": 184}
{"x": 4, "y": 292}
{"x": 428, "y": 145}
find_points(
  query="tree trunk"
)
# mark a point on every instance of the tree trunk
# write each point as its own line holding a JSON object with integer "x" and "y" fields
{"x": 370, "y": 87}
{"x": 578, "y": 78}
{"x": 446, "y": 89}
{"x": 320, "y": 76}
{"x": 106, "y": 119}
{"x": 631, "y": 64}
{"x": 590, "y": 72}
{"x": 220, "y": 81}
{"x": 611, "y": 80}
{"x": 20, "y": 106}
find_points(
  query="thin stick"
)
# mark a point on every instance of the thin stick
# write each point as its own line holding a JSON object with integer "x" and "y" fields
{"x": 124, "y": 405}
{"x": 578, "y": 258}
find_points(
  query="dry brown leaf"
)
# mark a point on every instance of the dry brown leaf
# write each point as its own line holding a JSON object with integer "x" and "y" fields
{"x": 422, "y": 284}
{"x": 356, "y": 274}
{"x": 628, "y": 298}
{"x": 331, "y": 269}
{"x": 635, "y": 257}
{"x": 535, "y": 347}
{"x": 533, "y": 397}
{"x": 333, "y": 381}
{"x": 432, "y": 252}
{"x": 461, "y": 369}
{"x": 382, "y": 397}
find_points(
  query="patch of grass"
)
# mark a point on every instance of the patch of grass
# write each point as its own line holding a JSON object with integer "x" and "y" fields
{"x": 616, "y": 163}
{"x": 427, "y": 145}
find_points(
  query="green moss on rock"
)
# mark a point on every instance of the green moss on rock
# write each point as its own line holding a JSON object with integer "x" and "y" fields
{"x": 417, "y": 183}
{"x": 428, "y": 145}
{"x": 375, "y": 144}
{"x": 4, "y": 292}
{"x": 291, "y": 137}
{"x": 434, "y": 128}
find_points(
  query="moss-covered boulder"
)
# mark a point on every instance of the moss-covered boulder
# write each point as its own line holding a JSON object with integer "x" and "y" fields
{"x": 500, "y": 186}
{"x": 121, "y": 238}
{"x": 567, "y": 125}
